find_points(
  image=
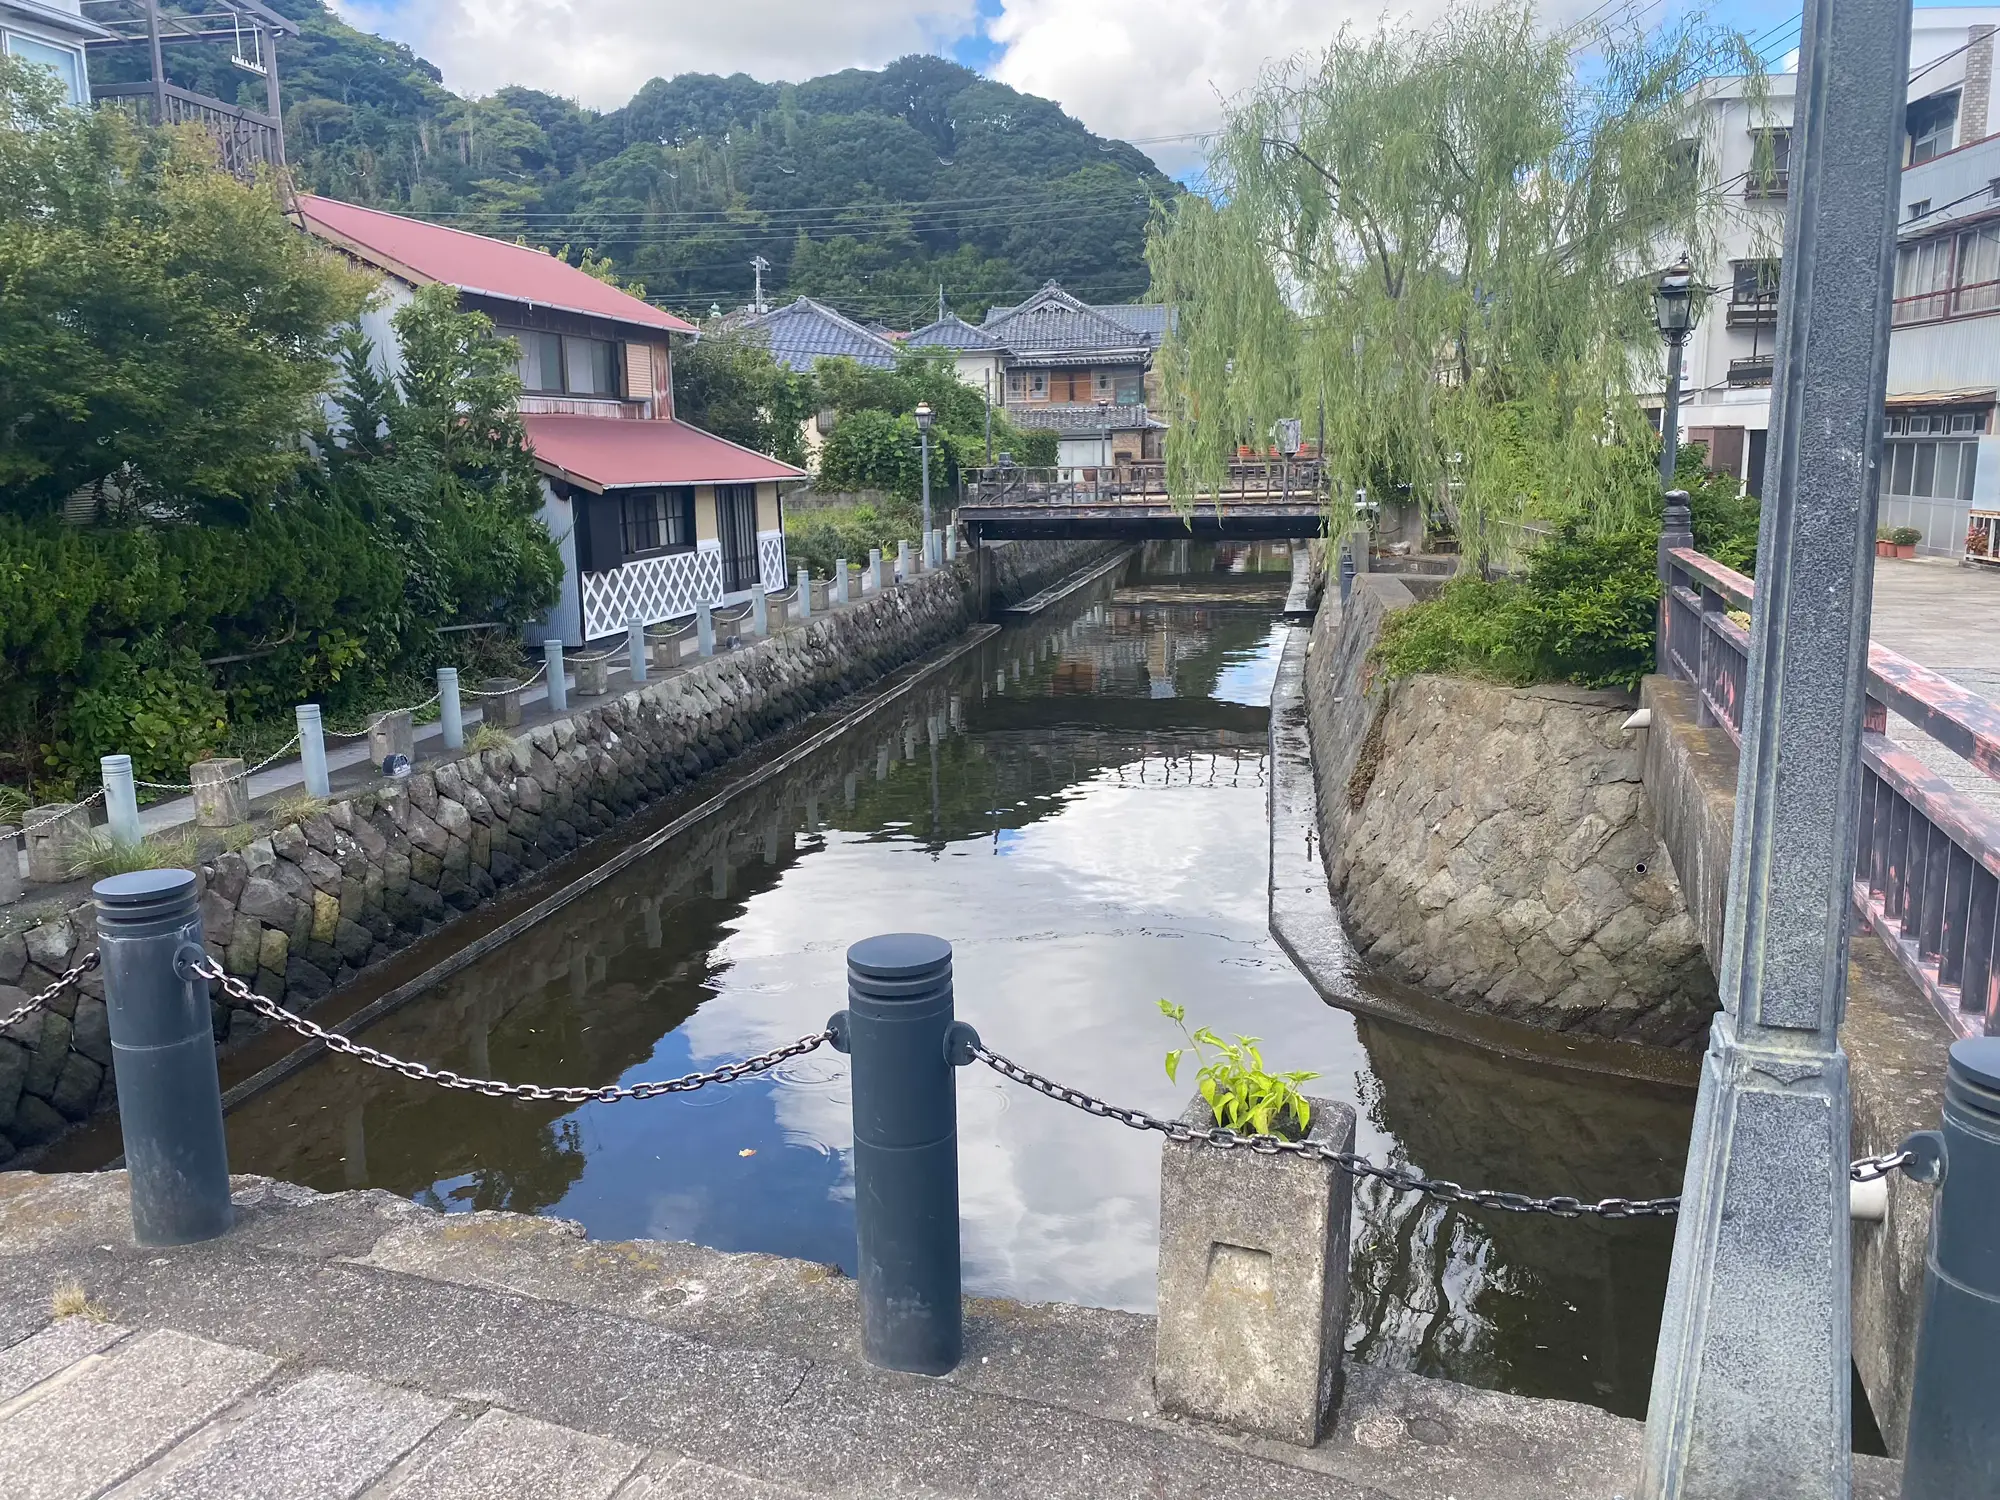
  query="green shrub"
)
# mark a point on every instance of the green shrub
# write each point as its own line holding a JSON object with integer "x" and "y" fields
{"x": 1234, "y": 1084}
{"x": 817, "y": 538}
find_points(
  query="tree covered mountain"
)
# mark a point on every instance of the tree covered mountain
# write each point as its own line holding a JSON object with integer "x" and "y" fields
{"x": 867, "y": 189}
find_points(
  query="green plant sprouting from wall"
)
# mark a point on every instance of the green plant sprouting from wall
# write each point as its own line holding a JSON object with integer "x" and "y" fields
{"x": 1235, "y": 1085}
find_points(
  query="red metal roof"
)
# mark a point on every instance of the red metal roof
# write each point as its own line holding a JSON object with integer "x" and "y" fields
{"x": 601, "y": 453}
{"x": 423, "y": 252}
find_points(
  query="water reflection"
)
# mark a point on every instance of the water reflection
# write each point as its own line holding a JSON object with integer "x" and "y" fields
{"x": 1080, "y": 808}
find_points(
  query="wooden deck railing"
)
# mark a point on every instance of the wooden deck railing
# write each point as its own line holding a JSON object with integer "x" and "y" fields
{"x": 1144, "y": 482}
{"x": 1927, "y": 864}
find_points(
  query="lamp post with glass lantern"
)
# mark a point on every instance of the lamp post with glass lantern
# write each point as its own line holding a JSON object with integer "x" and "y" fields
{"x": 924, "y": 439}
{"x": 1673, "y": 312}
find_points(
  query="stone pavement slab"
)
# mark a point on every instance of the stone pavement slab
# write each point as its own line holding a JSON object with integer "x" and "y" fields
{"x": 507, "y": 1457}
{"x": 34, "y": 1359}
{"x": 327, "y": 1437}
{"x": 119, "y": 1412}
{"x": 1946, "y": 618}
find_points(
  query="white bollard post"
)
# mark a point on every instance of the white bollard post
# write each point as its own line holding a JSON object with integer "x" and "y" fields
{"x": 635, "y": 649}
{"x": 552, "y": 657}
{"x": 760, "y": 609}
{"x": 951, "y": 545}
{"x": 451, "y": 714}
{"x": 312, "y": 741}
{"x": 805, "y": 594}
{"x": 875, "y": 570}
{"x": 904, "y": 572}
{"x": 121, "y": 798}
{"x": 840, "y": 580}
{"x": 704, "y": 628}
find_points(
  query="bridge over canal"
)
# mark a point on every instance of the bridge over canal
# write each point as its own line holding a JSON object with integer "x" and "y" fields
{"x": 1258, "y": 500}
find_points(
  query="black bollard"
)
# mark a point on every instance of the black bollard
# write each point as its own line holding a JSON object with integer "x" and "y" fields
{"x": 897, "y": 1030}
{"x": 1953, "y": 1449}
{"x": 163, "y": 1056}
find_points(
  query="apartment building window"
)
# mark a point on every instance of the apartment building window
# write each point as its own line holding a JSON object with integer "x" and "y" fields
{"x": 65, "y": 62}
{"x": 561, "y": 365}
{"x": 1933, "y": 125}
{"x": 657, "y": 521}
{"x": 1930, "y": 456}
{"x": 1027, "y": 385}
{"x": 1948, "y": 275}
{"x": 1770, "y": 174}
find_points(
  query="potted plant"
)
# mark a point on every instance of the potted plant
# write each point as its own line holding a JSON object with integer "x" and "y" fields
{"x": 1244, "y": 450}
{"x": 1884, "y": 547}
{"x": 1906, "y": 539}
{"x": 1253, "y": 1286}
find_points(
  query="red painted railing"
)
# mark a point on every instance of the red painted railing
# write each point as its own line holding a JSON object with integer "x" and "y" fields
{"x": 1927, "y": 864}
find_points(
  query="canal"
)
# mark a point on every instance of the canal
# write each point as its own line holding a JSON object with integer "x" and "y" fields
{"x": 1078, "y": 804}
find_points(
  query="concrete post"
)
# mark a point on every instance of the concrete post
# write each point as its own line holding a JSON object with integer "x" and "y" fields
{"x": 951, "y": 544}
{"x": 312, "y": 743}
{"x": 121, "y": 798}
{"x": 1346, "y": 570}
{"x": 391, "y": 733}
{"x": 1751, "y": 1386}
{"x": 1953, "y": 1446}
{"x": 1253, "y": 1281}
{"x": 1676, "y": 531}
{"x": 52, "y": 833}
{"x": 593, "y": 676}
{"x": 904, "y": 570}
{"x": 163, "y": 1056}
{"x": 760, "y": 610}
{"x": 635, "y": 649}
{"x": 875, "y": 570}
{"x": 897, "y": 1029}
{"x": 222, "y": 792}
{"x": 556, "y": 675}
{"x": 503, "y": 702}
{"x": 840, "y": 580}
{"x": 805, "y": 595}
{"x": 10, "y": 864}
{"x": 451, "y": 715}
{"x": 704, "y": 629}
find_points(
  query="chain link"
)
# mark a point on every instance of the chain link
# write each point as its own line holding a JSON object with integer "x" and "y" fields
{"x": 51, "y": 822}
{"x": 493, "y": 1088}
{"x": 67, "y": 978}
{"x": 1875, "y": 1168}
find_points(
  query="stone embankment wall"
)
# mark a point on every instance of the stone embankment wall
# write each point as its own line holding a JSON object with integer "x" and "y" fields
{"x": 303, "y": 909}
{"x": 1494, "y": 846}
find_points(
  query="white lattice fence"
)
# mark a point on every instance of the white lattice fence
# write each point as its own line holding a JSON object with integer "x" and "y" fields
{"x": 771, "y": 560}
{"x": 652, "y": 589}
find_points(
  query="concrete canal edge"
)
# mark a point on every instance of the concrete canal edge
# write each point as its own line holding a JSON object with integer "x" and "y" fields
{"x": 1306, "y": 921}
{"x": 309, "y": 908}
{"x": 734, "y": 1374}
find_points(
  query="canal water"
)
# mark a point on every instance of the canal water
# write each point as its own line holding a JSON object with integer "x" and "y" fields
{"x": 1079, "y": 806}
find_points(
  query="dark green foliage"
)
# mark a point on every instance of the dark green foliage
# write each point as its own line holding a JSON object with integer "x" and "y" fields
{"x": 729, "y": 385}
{"x": 920, "y": 173}
{"x": 1725, "y": 516}
{"x": 817, "y": 538}
{"x": 1582, "y": 612}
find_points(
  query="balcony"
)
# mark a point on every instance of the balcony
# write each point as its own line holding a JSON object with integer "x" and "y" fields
{"x": 248, "y": 140}
{"x": 1752, "y": 312}
{"x": 1754, "y": 371}
{"x": 1773, "y": 184}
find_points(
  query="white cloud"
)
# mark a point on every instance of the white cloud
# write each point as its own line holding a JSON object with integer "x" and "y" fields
{"x": 600, "y": 51}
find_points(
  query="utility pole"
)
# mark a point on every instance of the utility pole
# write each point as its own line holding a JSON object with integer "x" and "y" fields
{"x": 1751, "y": 1394}
{"x": 758, "y": 266}
{"x": 989, "y": 416}
{"x": 941, "y": 311}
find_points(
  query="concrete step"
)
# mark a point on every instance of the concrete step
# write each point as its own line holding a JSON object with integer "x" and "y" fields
{"x": 420, "y": 1355}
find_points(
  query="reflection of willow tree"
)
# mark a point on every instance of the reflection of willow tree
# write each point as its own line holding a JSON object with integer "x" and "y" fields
{"x": 1544, "y": 1306}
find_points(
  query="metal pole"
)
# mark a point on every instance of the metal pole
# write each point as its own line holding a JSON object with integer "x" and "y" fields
{"x": 312, "y": 749}
{"x": 159, "y": 63}
{"x": 1676, "y": 530}
{"x": 121, "y": 799}
{"x": 904, "y": 571}
{"x": 267, "y": 47}
{"x": 840, "y": 580}
{"x": 805, "y": 594}
{"x": 760, "y": 609}
{"x": 898, "y": 1031}
{"x": 875, "y": 569}
{"x": 1953, "y": 1446}
{"x": 451, "y": 717}
{"x": 924, "y": 438}
{"x": 1751, "y": 1385}
{"x": 1670, "y": 415}
{"x": 552, "y": 657}
{"x": 163, "y": 1056}
{"x": 704, "y": 628}
{"x": 635, "y": 648}
{"x": 989, "y": 418}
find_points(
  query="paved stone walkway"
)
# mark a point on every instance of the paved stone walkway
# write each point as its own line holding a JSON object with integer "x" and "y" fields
{"x": 359, "y": 1347}
{"x": 1947, "y": 618}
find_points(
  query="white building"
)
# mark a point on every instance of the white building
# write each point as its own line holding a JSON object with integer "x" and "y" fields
{"x": 1726, "y": 368}
{"x": 51, "y": 34}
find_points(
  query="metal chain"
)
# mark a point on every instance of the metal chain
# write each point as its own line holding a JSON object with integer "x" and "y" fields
{"x": 51, "y": 822}
{"x": 525, "y": 683}
{"x": 493, "y": 1088}
{"x": 1865, "y": 1169}
{"x": 67, "y": 978}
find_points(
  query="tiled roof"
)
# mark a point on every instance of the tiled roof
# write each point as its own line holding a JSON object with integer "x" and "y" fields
{"x": 422, "y": 253}
{"x": 1052, "y": 319}
{"x": 807, "y": 330}
{"x": 952, "y": 332}
{"x": 603, "y": 453}
{"x": 1079, "y": 417}
{"x": 1153, "y": 319}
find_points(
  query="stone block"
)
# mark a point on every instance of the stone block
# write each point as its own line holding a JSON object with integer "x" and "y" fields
{"x": 593, "y": 677}
{"x": 13, "y": 1072}
{"x": 90, "y": 1030}
{"x": 245, "y": 937}
{"x": 273, "y": 948}
{"x": 391, "y": 734}
{"x": 54, "y": 831}
{"x": 221, "y": 792}
{"x": 322, "y": 834}
{"x": 502, "y": 705}
{"x": 10, "y": 864}
{"x": 326, "y": 917}
{"x": 306, "y": 979}
{"x": 453, "y": 818}
{"x": 76, "y": 1089}
{"x": 1253, "y": 1282}
{"x": 288, "y": 842}
{"x": 35, "y": 1123}
{"x": 503, "y": 1455}
{"x": 13, "y": 958}
{"x": 51, "y": 944}
{"x": 266, "y": 901}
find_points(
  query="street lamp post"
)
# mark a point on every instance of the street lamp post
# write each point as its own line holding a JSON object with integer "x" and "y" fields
{"x": 924, "y": 438}
{"x": 1673, "y": 311}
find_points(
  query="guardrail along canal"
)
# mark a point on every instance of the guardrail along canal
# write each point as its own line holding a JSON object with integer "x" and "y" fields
{"x": 1079, "y": 806}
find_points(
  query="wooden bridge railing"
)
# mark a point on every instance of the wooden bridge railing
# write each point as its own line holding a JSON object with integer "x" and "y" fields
{"x": 1142, "y": 482}
{"x": 1927, "y": 864}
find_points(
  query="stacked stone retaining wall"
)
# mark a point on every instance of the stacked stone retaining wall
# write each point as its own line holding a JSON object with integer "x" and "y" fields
{"x": 1492, "y": 845}
{"x": 306, "y": 907}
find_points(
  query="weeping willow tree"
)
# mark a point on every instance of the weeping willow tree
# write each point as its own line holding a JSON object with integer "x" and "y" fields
{"x": 1445, "y": 242}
